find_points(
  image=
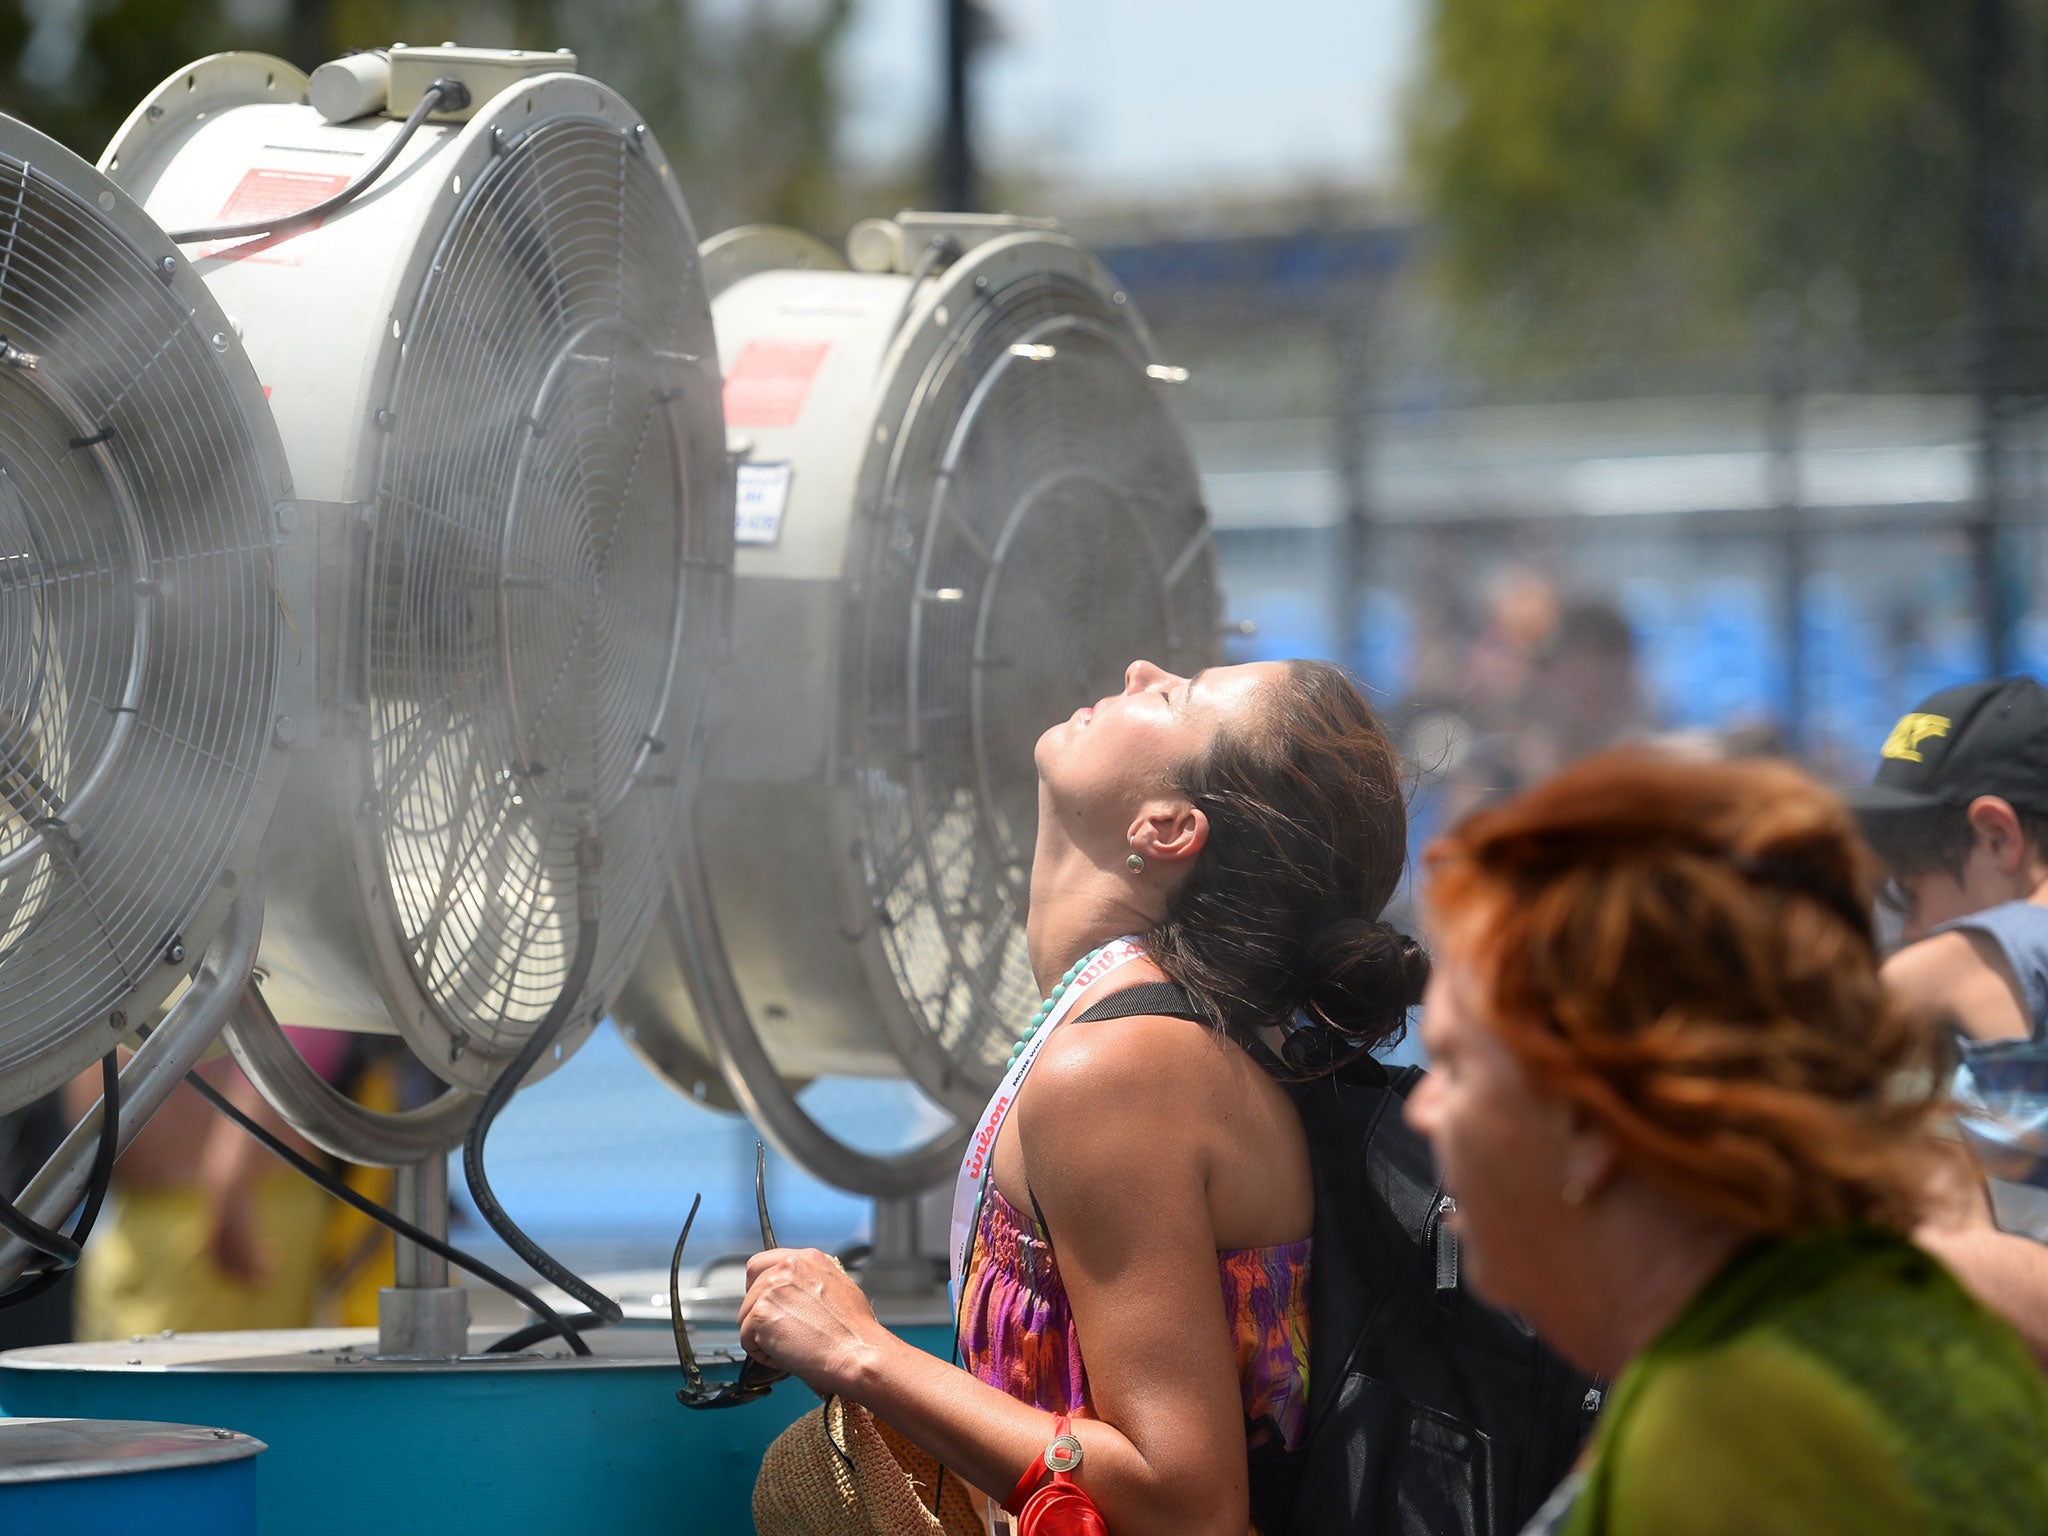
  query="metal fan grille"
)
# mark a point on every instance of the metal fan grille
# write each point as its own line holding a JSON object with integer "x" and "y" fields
{"x": 138, "y": 626}
{"x": 1044, "y": 527}
{"x": 527, "y": 589}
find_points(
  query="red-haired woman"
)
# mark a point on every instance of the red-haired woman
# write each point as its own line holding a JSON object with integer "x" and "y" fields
{"x": 1685, "y": 1128}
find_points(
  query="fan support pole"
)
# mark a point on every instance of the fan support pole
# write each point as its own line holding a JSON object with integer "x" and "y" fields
{"x": 898, "y": 1267}
{"x": 422, "y": 1315}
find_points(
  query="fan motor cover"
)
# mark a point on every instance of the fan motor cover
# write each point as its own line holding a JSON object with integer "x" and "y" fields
{"x": 495, "y": 375}
{"x": 144, "y": 647}
{"x": 964, "y": 508}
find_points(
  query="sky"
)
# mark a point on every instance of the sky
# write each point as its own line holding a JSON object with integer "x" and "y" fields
{"x": 1166, "y": 97}
{"x": 1135, "y": 98}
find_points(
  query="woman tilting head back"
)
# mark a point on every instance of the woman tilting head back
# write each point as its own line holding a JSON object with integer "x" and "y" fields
{"x": 1686, "y": 1129}
{"x": 1298, "y": 796}
{"x": 1132, "y": 1222}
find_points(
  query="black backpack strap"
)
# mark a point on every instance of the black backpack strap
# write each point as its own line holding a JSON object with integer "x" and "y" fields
{"x": 1168, "y": 999}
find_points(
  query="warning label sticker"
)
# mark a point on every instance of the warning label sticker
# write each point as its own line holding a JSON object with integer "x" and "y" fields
{"x": 762, "y": 493}
{"x": 770, "y": 380}
{"x": 263, "y": 193}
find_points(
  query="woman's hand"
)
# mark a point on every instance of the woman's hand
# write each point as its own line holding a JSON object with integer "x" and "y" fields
{"x": 803, "y": 1314}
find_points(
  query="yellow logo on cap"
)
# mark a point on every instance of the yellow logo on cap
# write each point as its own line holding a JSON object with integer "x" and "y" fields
{"x": 1904, "y": 742}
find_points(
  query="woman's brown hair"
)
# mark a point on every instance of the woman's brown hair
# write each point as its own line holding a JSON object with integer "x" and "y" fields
{"x": 1684, "y": 949}
{"x": 1278, "y": 921}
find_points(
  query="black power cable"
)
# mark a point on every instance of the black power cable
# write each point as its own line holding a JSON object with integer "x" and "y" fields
{"x": 47, "y": 1241}
{"x": 551, "y": 1321}
{"x": 537, "y": 1258}
{"x": 445, "y": 95}
{"x": 940, "y": 248}
{"x": 66, "y": 1247}
{"x": 533, "y": 1333}
{"x": 603, "y": 1309}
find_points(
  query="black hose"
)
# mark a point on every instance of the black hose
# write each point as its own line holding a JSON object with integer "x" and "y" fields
{"x": 444, "y": 94}
{"x": 104, "y": 1152}
{"x": 533, "y": 1333}
{"x": 47, "y": 1241}
{"x": 552, "y": 1321}
{"x": 537, "y": 1258}
{"x": 939, "y": 248}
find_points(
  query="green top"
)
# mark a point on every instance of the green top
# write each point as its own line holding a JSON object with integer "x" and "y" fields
{"x": 1840, "y": 1382}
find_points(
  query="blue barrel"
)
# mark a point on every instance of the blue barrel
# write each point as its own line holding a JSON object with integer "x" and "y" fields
{"x": 123, "y": 1474}
{"x": 483, "y": 1446}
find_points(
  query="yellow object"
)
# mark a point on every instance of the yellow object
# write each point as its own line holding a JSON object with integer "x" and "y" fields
{"x": 355, "y": 1252}
{"x": 149, "y": 1267}
{"x": 1904, "y": 742}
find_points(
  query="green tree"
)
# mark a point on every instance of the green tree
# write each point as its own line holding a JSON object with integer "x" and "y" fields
{"x": 747, "y": 110}
{"x": 1641, "y": 172}
{"x": 77, "y": 74}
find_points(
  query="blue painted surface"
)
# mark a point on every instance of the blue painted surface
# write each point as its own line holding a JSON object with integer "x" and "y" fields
{"x": 604, "y": 1450}
{"x": 474, "y": 1450}
{"x": 214, "y": 1500}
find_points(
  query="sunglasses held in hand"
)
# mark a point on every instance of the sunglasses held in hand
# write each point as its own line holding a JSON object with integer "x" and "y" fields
{"x": 754, "y": 1379}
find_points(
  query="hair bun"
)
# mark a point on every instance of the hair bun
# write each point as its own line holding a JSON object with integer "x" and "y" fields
{"x": 1360, "y": 970}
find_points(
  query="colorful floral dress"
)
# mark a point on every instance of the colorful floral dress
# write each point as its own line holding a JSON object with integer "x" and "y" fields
{"x": 1017, "y": 1329}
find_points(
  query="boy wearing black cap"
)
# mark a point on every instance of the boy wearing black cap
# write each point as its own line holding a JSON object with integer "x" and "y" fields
{"x": 1959, "y": 815}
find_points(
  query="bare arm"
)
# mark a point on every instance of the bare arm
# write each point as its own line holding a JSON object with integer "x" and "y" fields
{"x": 2009, "y": 1274}
{"x": 1959, "y": 977}
{"x": 1963, "y": 977}
{"x": 1114, "y": 1129}
{"x": 2006, "y": 1272}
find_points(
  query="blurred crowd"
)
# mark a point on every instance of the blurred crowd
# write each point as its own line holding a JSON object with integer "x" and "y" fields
{"x": 1523, "y": 679}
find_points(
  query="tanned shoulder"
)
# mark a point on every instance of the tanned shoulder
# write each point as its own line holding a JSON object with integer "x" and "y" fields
{"x": 1960, "y": 976}
{"x": 1138, "y": 1063}
{"x": 1106, "y": 1090}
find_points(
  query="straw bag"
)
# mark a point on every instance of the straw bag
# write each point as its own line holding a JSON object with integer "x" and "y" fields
{"x": 840, "y": 1471}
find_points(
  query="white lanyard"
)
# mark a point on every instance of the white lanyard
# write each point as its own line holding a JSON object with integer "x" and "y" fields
{"x": 969, "y": 1188}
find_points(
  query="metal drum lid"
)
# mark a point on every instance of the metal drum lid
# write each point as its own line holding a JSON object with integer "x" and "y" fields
{"x": 51, "y": 1450}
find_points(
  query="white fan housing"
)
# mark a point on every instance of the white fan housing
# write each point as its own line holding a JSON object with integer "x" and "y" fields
{"x": 495, "y": 377}
{"x": 144, "y": 644}
{"x": 964, "y": 506}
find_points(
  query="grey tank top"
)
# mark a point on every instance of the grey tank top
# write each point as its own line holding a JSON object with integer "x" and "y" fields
{"x": 2020, "y": 930}
{"x": 1998, "y": 1085}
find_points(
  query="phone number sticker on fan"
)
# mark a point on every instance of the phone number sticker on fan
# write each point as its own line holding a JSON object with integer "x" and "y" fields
{"x": 769, "y": 382}
{"x": 762, "y": 493}
{"x": 265, "y": 193}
